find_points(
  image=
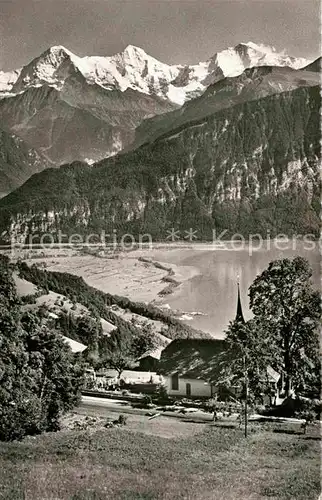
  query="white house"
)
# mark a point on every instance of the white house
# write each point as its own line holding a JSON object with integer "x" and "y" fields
{"x": 188, "y": 387}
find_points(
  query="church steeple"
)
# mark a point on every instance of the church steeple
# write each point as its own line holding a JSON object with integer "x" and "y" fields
{"x": 239, "y": 314}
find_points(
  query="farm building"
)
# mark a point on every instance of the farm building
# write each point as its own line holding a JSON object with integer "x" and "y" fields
{"x": 150, "y": 360}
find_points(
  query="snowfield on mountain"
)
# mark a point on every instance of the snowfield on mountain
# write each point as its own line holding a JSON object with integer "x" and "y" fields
{"x": 134, "y": 68}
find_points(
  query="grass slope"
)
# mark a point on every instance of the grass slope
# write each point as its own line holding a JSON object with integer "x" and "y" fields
{"x": 130, "y": 463}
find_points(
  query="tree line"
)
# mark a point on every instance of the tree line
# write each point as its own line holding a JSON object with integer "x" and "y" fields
{"x": 98, "y": 302}
{"x": 40, "y": 377}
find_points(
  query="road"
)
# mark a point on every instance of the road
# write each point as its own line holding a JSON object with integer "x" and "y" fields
{"x": 103, "y": 405}
{"x": 93, "y": 404}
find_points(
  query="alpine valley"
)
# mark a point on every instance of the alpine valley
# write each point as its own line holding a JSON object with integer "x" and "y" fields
{"x": 232, "y": 143}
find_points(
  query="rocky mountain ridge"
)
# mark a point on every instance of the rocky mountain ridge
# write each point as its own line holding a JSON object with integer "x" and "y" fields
{"x": 250, "y": 168}
{"x": 18, "y": 162}
{"x": 254, "y": 83}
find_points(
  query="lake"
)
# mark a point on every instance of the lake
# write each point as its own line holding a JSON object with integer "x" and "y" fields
{"x": 213, "y": 291}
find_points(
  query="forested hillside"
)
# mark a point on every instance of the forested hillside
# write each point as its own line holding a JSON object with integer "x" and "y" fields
{"x": 251, "y": 168}
{"x": 99, "y": 303}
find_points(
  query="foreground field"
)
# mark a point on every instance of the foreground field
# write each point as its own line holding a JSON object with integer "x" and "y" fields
{"x": 163, "y": 459}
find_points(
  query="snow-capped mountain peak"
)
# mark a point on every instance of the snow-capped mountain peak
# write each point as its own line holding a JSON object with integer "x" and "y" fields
{"x": 8, "y": 79}
{"x": 52, "y": 67}
{"x": 133, "y": 51}
{"x": 137, "y": 57}
{"x": 234, "y": 60}
{"x": 56, "y": 49}
{"x": 273, "y": 57}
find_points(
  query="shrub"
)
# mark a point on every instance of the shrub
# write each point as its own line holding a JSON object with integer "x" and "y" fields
{"x": 122, "y": 420}
{"x": 308, "y": 410}
{"x": 28, "y": 299}
{"x": 162, "y": 395}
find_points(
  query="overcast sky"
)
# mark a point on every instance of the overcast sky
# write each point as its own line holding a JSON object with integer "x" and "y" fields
{"x": 174, "y": 31}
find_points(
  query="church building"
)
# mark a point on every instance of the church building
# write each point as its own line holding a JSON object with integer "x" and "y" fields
{"x": 191, "y": 367}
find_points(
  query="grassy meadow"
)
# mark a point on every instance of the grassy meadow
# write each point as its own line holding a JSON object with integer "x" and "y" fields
{"x": 163, "y": 459}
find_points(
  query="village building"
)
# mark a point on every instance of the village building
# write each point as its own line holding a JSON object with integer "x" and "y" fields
{"x": 150, "y": 360}
{"x": 189, "y": 365}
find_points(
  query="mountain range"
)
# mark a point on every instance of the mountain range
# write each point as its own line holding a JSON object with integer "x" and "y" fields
{"x": 254, "y": 83}
{"x": 87, "y": 108}
{"x": 242, "y": 153}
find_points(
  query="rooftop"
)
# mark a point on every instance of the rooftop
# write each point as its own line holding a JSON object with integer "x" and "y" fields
{"x": 193, "y": 358}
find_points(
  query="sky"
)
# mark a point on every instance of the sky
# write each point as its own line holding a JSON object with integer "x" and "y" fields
{"x": 173, "y": 31}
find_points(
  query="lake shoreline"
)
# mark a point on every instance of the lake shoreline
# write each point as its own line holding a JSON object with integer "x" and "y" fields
{"x": 197, "y": 283}
{"x": 136, "y": 274}
{"x": 174, "y": 272}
